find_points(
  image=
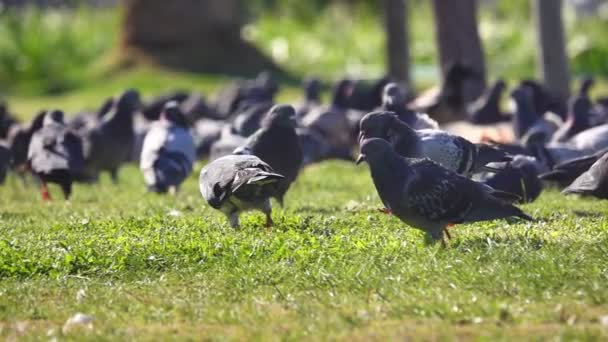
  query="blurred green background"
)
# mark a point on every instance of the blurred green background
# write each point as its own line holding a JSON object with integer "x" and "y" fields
{"x": 56, "y": 50}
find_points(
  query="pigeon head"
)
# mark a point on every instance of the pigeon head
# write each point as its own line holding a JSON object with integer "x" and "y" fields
{"x": 393, "y": 96}
{"x": 342, "y": 92}
{"x": 280, "y": 115}
{"x": 312, "y": 89}
{"x": 377, "y": 125}
{"x": 129, "y": 101}
{"x": 586, "y": 86}
{"x": 173, "y": 113}
{"x": 53, "y": 117}
{"x": 580, "y": 107}
{"x": 375, "y": 149}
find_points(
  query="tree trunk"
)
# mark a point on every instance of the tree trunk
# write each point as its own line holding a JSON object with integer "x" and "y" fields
{"x": 193, "y": 35}
{"x": 551, "y": 58}
{"x": 459, "y": 43}
{"x": 397, "y": 51}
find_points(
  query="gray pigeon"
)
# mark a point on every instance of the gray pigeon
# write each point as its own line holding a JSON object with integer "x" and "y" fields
{"x": 567, "y": 172}
{"x": 168, "y": 151}
{"x": 429, "y": 197}
{"x": 450, "y": 151}
{"x": 109, "y": 144}
{"x": 237, "y": 183}
{"x": 277, "y": 144}
{"x": 55, "y": 154}
{"x": 228, "y": 141}
{"x": 5, "y": 161}
{"x": 594, "y": 182}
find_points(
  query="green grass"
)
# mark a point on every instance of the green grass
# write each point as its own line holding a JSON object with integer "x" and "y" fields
{"x": 332, "y": 267}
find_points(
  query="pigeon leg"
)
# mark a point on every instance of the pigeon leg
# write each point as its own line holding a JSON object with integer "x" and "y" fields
{"x": 234, "y": 220}
{"x": 269, "y": 222}
{"x": 67, "y": 190}
{"x": 385, "y": 211}
{"x": 46, "y": 196}
{"x": 114, "y": 176}
{"x": 447, "y": 233}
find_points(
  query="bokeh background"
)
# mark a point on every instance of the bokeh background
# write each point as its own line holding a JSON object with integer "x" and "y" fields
{"x": 54, "y": 48}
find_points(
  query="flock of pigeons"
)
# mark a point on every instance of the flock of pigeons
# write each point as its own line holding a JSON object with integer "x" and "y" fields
{"x": 427, "y": 176}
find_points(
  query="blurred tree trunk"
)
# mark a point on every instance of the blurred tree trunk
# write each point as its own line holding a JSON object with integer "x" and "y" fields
{"x": 194, "y": 35}
{"x": 397, "y": 51}
{"x": 551, "y": 57}
{"x": 458, "y": 41}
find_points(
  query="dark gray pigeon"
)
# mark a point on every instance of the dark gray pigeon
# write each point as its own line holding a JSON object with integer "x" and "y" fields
{"x": 19, "y": 139}
{"x": 7, "y": 120}
{"x": 277, "y": 144}
{"x": 486, "y": 110}
{"x": 5, "y": 161}
{"x": 578, "y": 119}
{"x": 55, "y": 154}
{"x": 429, "y": 197}
{"x": 110, "y": 143}
{"x": 237, "y": 183}
{"x": 452, "y": 152}
{"x": 567, "y": 172}
{"x": 530, "y": 126}
{"x": 394, "y": 100}
{"x": 594, "y": 182}
{"x": 519, "y": 177}
{"x": 168, "y": 151}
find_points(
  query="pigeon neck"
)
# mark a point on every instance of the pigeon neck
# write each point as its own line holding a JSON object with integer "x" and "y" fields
{"x": 525, "y": 116}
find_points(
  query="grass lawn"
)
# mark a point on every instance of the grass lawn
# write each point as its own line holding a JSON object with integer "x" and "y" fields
{"x": 149, "y": 267}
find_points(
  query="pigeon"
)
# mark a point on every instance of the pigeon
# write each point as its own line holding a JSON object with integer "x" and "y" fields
{"x": 578, "y": 119}
{"x": 109, "y": 144}
{"x": 542, "y": 99}
{"x": 237, "y": 183}
{"x": 87, "y": 120}
{"x": 6, "y": 120}
{"x": 594, "y": 182}
{"x": 5, "y": 161}
{"x": 589, "y": 141}
{"x": 168, "y": 151}
{"x": 312, "y": 97}
{"x": 364, "y": 96}
{"x": 519, "y": 177}
{"x": 315, "y": 148}
{"x": 19, "y": 138}
{"x": 452, "y": 152}
{"x": 429, "y": 197}
{"x": 244, "y": 92}
{"x": 248, "y": 120}
{"x": 486, "y": 110}
{"x": 205, "y": 133}
{"x": 55, "y": 154}
{"x": 332, "y": 122}
{"x": 277, "y": 144}
{"x": 152, "y": 110}
{"x": 565, "y": 173}
{"x": 528, "y": 125}
{"x": 226, "y": 144}
{"x": 393, "y": 100}
{"x": 447, "y": 102}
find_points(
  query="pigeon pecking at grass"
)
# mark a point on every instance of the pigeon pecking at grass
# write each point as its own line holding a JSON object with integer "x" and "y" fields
{"x": 428, "y": 196}
{"x": 237, "y": 183}
{"x": 55, "y": 154}
{"x": 277, "y": 144}
{"x": 168, "y": 151}
{"x": 450, "y": 151}
{"x": 567, "y": 172}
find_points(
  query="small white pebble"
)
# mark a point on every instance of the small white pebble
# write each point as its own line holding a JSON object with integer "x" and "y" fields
{"x": 80, "y": 295}
{"x": 78, "y": 319}
{"x": 174, "y": 213}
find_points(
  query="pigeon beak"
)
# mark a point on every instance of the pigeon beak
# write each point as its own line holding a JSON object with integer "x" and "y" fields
{"x": 361, "y": 159}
